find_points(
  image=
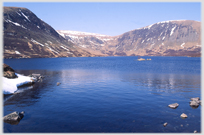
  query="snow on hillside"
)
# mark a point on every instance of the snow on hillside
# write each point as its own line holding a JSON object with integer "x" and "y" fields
{"x": 69, "y": 32}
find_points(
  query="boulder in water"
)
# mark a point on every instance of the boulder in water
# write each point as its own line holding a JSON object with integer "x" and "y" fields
{"x": 14, "y": 117}
{"x": 195, "y": 102}
{"x": 173, "y": 106}
{"x": 183, "y": 116}
{"x": 165, "y": 124}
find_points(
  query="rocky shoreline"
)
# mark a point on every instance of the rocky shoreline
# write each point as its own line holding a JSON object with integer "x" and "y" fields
{"x": 12, "y": 80}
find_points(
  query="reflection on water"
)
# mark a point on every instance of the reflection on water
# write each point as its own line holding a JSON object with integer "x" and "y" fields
{"x": 168, "y": 83}
{"x": 157, "y": 83}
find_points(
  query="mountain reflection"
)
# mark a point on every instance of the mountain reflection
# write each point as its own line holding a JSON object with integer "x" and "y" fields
{"x": 169, "y": 83}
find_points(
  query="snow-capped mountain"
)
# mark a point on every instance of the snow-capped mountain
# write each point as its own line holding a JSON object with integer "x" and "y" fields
{"x": 27, "y": 36}
{"x": 167, "y": 38}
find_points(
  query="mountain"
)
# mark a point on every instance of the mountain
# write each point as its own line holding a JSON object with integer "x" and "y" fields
{"x": 27, "y": 36}
{"x": 167, "y": 38}
{"x": 96, "y": 44}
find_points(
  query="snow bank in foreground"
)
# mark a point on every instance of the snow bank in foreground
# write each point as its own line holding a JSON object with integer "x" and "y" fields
{"x": 10, "y": 85}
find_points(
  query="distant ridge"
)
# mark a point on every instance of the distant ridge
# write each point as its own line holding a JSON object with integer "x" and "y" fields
{"x": 166, "y": 38}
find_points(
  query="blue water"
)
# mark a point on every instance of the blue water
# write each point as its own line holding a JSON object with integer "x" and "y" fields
{"x": 107, "y": 95}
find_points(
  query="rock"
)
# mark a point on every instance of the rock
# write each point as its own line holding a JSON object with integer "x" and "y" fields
{"x": 195, "y": 99}
{"x": 183, "y": 115}
{"x": 14, "y": 117}
{"x": 58, "y": 83}
{"x": 165, "y": 124}
{"x": 173, "y": 106}
{"x": 195, "y": 102}
{"x": 9, "y": 72}
{"x": 37, "y": 77}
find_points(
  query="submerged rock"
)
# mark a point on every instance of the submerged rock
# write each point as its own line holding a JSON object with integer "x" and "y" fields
{"x": 173, "y": 106}
{"x": 183, "y": 116}
{"x": 165, "y": 124}
{"x": 58, "y": 83}
{"x": 14, "y": 117}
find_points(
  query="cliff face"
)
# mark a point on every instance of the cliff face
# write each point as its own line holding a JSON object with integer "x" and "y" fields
{"x": 27, "y": 36}
{"x": 168, "y": 38}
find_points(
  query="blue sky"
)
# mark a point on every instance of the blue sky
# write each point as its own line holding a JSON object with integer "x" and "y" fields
{"x": 109, "y": 18}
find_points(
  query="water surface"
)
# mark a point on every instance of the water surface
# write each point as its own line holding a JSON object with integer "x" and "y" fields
{"x": 107, "y": 95}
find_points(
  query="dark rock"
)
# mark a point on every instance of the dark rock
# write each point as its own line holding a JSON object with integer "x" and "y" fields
{"x": 9, "y": 72}
{"x": 14, "y": 117}
{"x": 58, "y": 83}
{"x": 173, "y": 106}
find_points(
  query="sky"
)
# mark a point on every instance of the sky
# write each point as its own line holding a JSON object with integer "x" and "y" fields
{"x": 109, "y": 18}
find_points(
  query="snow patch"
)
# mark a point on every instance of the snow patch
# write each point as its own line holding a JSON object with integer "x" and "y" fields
{"x": 150, "y": 26}
{"x": 163, "y": 38}
{"x": 18, "y": 13}
{"x": 84, "y": 46}
{"x": 182, "y": 45}
{"x": 169, "y": 21}
{"x": 52, "y": 50}
{"x": 69, "y": 32}
{"x": 64, "y": 48}
{"x": 36, "y": 42}
{"x": 62, "y": 35}
{"x": 11, "y": 85}
{"x": 17, "y": 52}
{"x": 49, "y": 42}
{"x": 152, "y": 45}
{"x": 172, "y": 30}
{"x": 15, "y": 23}
{"x": 25, "y": 16}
